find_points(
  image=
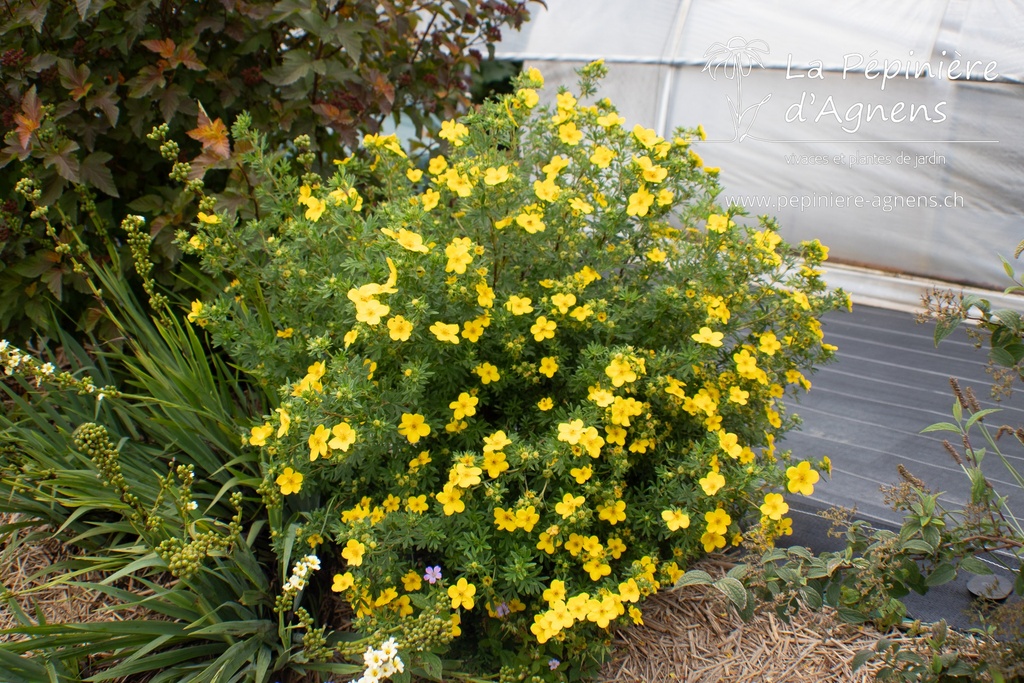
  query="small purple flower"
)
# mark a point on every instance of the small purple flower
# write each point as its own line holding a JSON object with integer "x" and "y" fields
{"x": 432, "y": 575}
{"x": 553, "y": 663}
{"x": 502, "y": 610}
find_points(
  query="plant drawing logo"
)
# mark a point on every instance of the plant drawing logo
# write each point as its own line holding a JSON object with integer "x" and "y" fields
{"x": 737, "y": 59}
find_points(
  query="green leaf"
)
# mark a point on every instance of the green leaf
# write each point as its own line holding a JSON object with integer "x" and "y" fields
{"x": 1007, "y": 267}
{"x": 944, "y": 573}
{"x": 83, "y": 8}
{"x": 95, "y": 172}
{"x": 941, "y": 427}
{"x": 945, "y": 327}
{"x": 860, "y": 659}
{"x": 432, "y": 666}
{"x": 63, "y": 159}
{"x": 733, "y": 590}
{"x": 979, "y": 415}
{"x": 694, "y": 577}
{"x": 975, "y": 566}
{"x": 919, "y": 546}
{"x": 1008, "y": 317}
{"x": 295, "y": 64}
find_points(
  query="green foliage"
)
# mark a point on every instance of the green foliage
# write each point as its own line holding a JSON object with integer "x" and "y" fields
{"x": 482, "y": 409}
{"x": 866, "y": 581}
{"x": 543, "y": 365}
{"x": 84, "y": 81}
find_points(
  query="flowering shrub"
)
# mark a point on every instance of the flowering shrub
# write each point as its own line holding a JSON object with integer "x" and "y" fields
{"x": 519, "y": 389}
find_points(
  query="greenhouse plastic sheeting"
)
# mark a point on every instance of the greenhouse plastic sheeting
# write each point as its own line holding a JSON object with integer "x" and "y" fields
{"x": 890, "y": 131}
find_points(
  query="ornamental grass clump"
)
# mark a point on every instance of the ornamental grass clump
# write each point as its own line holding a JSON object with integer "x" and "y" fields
{"x": 519, "y": 386}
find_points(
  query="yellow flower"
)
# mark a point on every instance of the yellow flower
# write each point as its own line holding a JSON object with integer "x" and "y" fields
{"x": 407, "y": 239}
{"x": 505, "y": 520}
{"x": 707, "y": 336}
{"x": 602, "y": 156}
{"x": 712, "y": 483}
{"x": 462, "y": 594}
{"x": 563, "y": 302}
{"x": 472, "y": 330}
{"x": 496, "y": 176}
{"x": 717, "y": 223}
{"x": 547, "y": 189}
{"x": 353, "y": 552}
{"x": 485, "y": 295}
{"x": 259, "y": 435}
{"x": 774, "y": 506}
{"x": 399, "y": 329}
{"x": 496, "y": 442}
{"x": 416, "y": 504}
{"x": 768, "y": 344}
{"x": 581, "y": 474}
{"x": 620, "y": 372}
{"x": 196, "y": 313}
{"x": 286, "y": 422}
{"x": 543, "y": 329}
{"x": 610, "y": 120}
{"x": 290, "y": 481}
{"x": 445, "y": 332}
{"x": 592, "y": 441}
{"x": 602, "y": 397}
{"x": 342, "y": 582}
{"x": 616, "y": 435}
{"x": 555, "y": 166}
{"x": 651, "y": 172}
{"x": 569, "y": 134}
{"x": 545, "y": 404}
{"x": 530, "y": 222}
{"x": 454, "y": 132}
{"x": 437, "y": 165}
{"x": 527, "y": 518}
{"x": 318, "y": 442}
{"x": 519, "y": 305}
{"x": 285, "y": 333}
{"x": 646, "y": 136}
{"x": 451, "y": 499}
{"x": 528, "y": 96}
{"x": 548, "y": 366}
{"x": 209, "y": 219}
{"x": 577, "y": 204}
{"x": 665, "y": 197}
{"x": 429, "y": 199}
{"x": 675, "y": 519}
{"x": 459, "y": 183}
{"x": 565, "y": 101}
{"x": 414, "y": 175}
{"x": 555, "y": 592}
{"x": 569, "y": 505}
{"x": 718, "y": 521}
{"x": 413, "y": 427}
{"x": 487, "y": 372}
{"x": 802, "y": 479}
{"x": 613, "y": 513}
{"x": 495, "y": 463}
{"x": 464, "y": 476}
{"x": 639, "y": 202}
{"x": 464, "y": 405}
{"x": 544, "y": 543}
{"x": 315, "y": 208}
{"x": 344, "y": 437}
{"x": 712, "y": 541}
{"x": 656, "y": 255}
{"x": 570, "y": 432}
{"x": 458, "y": 255}
{"x": 738, "y": 396}
{"x": 625, "y": 408}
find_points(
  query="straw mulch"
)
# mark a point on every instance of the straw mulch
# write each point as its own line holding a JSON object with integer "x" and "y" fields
{"x": 691, "y": 635}
{"x": 25, "y": 574}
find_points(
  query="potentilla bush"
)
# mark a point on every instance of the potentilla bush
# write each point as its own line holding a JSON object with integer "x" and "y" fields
{"x": 527, "y": 389}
